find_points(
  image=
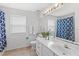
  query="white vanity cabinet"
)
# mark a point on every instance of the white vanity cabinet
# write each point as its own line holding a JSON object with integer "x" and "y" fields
{"x": 42, "y": 50}
{"x": 55, "y": 48}
{"x": 46, "y": 51}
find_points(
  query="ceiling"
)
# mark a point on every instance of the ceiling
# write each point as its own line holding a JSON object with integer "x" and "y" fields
{"x": 27, "y": 6}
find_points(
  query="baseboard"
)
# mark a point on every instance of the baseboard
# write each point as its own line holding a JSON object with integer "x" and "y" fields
{"x": 8, "y": 48}
{"x": 19, "y": 48}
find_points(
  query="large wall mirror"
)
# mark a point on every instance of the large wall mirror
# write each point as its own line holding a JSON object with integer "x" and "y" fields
{"x": 65, "y": 28}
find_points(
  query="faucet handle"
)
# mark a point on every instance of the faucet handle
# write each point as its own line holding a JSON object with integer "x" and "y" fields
{"x": 66, "y": 46}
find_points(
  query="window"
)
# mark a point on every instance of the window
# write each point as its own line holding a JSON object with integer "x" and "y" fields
{"x": 17, "y": 24}
{"x": 51, "y": 25}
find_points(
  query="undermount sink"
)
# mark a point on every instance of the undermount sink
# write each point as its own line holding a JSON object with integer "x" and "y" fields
{"x": 60, "y": 48}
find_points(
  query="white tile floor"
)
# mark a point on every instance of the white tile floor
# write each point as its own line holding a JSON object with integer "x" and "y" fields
{"x": 21, "y": 52}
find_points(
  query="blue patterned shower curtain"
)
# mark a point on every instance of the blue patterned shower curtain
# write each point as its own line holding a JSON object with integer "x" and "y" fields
{"x": 2, "y": 31}
{"x": 65, "y": 28}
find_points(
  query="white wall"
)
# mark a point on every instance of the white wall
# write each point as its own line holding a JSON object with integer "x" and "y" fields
{"x": 19, "y": 40}
{"x": 67, "y": 9}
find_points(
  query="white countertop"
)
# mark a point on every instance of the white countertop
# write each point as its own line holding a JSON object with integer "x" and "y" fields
{"x": 58, "y": 47}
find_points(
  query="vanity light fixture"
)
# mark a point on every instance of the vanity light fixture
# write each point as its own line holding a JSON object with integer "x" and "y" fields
{"x": 52, "y": 8}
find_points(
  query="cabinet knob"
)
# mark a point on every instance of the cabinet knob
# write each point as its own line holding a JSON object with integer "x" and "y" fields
{"x": 64, "y": 54}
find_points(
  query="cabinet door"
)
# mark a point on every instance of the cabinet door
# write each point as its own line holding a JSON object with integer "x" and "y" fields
{"x": 38, "y": 48}
{"x": 47, "y": 52}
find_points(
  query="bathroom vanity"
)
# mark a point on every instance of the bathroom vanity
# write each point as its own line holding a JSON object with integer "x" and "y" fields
{"x": 55, "y": 47}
